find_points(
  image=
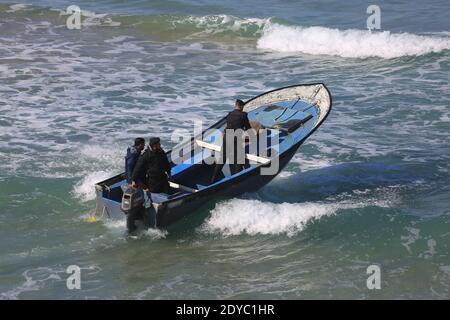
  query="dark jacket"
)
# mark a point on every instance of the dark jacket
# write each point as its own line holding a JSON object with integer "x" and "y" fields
{"x": 237, "y": 119}
{"x": 130, "y": 161}
{"x": 151, "y": 169}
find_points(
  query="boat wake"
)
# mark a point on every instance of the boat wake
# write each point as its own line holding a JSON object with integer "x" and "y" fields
{"x": 119, "y": 227}
{"x": 254, "y": 217}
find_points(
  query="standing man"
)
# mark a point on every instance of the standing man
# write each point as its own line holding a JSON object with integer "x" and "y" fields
{"x": 152, "y": 169}
{"x": 133, "y": 153}
{"x": 236, "y": 119}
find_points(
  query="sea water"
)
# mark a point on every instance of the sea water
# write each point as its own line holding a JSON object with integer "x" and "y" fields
{"x": 370, "y": 187}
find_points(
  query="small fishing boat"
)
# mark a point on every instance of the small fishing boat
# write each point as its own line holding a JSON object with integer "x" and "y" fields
{"x": 288, "y": 115}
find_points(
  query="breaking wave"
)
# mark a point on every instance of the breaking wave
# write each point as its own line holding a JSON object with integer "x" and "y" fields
{"x": 270, "y": 34}
{"x": 348, "y": 43}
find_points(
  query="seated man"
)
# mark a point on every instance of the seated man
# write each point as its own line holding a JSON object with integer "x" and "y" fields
{"x": 133, "y": 153}
{"x": 152, "y": 169}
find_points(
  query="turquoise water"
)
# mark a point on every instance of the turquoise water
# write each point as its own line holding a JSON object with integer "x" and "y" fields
{"x": 372, "y": 186}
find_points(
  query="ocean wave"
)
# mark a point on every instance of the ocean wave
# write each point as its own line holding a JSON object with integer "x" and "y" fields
{"x": 266, "y": 33}
{"x": 218, "y": 28}
{"x": 271, "y": 34}
{"x": 348, "y": 43}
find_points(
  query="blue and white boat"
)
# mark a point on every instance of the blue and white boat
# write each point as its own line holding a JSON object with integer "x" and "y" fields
{"x": 289, "y": 115}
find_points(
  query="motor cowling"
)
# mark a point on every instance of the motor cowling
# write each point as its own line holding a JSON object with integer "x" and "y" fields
{"x": 132, "y": 199}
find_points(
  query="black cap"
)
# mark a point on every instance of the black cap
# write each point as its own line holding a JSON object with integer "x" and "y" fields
{"x": 154, "y": 140}
{"x": 239, "y": 104}
{"x": 139, "y": 141}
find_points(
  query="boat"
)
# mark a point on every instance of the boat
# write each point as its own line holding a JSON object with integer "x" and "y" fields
{"x": 291, "y": 114}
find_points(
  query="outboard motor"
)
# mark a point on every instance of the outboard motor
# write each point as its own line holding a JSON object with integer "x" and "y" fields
{"x": 133, "y": 206}
{"x": 132, "y": 199}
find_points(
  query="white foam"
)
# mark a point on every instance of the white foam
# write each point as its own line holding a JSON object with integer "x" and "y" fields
{"x": 411, "y": 238}
{"x": 35, "y": 279}
{"x": 115, "y": 224}
{"x": 95, "y": 164}
{"x": 285, "y": 174}
{"x": 311, "y": 163}
{"x": 252, "y": 217}
{"x": 431, "y": 243}
{"x": 16, "y": 7}
{"x": 118, "y": 39}
{"x": 85, "y": 189}
{"x": 156, "y": 234}
{"x": 350, "y": 43}
{"x": 120, "y": 226}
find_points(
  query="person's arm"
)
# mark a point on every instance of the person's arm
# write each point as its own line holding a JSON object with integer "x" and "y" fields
{"x": 246, "y": 122}
{"x": 139, "y": 168}
{"x": 167, "y": 166}
{"x": 128, "y": 171}
{"x": 130, "y": 162}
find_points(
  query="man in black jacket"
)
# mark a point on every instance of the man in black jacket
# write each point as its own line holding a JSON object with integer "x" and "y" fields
{"x": 152, "y": 169}
{"x": 236, "y": 119}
